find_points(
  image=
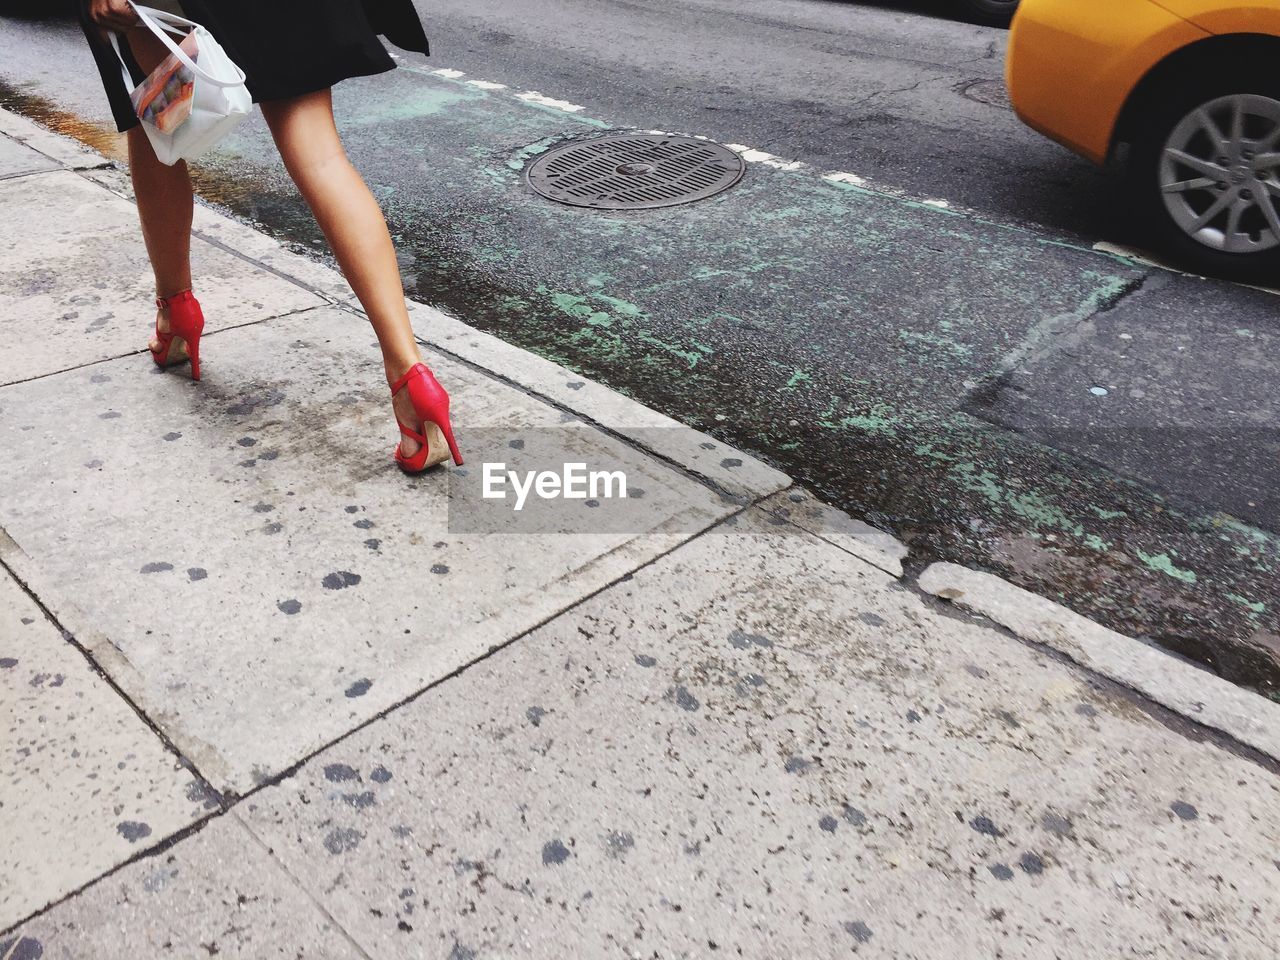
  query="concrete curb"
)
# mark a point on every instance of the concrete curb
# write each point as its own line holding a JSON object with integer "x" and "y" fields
{"x": 731, "y": 470}
{"x": 1187, "y": 690}
{"x": 206, "y": 761}
{"x": 802, "y": 509}
{"x": 65, "y": 151}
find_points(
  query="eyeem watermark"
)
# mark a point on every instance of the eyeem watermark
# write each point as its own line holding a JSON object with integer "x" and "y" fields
{"x": 573, "y": 482}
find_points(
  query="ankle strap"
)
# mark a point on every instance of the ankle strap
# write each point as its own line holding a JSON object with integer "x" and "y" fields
{"x": 418, "y": 369}
{"x": 412, "y": 434}
{"x": 165, "y": 302}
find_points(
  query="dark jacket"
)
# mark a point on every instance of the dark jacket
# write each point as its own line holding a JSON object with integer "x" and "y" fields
{"x": 397, "y": 20}
{"x": 286, "y": 47}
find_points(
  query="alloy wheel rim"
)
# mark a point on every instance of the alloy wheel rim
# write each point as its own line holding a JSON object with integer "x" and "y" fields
{"x": 1220, "y": 174}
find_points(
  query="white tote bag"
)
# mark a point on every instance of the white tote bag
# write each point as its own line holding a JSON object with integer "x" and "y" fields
{"x": 193, "y": 99}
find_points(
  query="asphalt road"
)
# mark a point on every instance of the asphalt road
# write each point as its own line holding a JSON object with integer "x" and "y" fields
{"x": 984, "y": 384}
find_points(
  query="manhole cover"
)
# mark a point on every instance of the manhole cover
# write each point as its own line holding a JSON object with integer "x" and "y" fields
{"x": 635, "y": 171}
{"x": 991, "y": 92}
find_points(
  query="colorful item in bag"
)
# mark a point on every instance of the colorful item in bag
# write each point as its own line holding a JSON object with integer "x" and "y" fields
{"x": 164, "y": 98}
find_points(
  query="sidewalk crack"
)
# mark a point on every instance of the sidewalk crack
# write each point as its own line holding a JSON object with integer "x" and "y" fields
{"x": 315, "y": 902}
{"x": 208, "y": 791}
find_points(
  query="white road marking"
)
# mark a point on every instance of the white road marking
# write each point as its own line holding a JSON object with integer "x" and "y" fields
{"x": 668, "y": 133}
{"x": 486, "y": 85}
{"x": 752, "y": 155}
{"x": 850, "y": 178}
{"x": 940, "y": 204}
{"x": 533, "y": 96}
{"x": 450, "y": 74}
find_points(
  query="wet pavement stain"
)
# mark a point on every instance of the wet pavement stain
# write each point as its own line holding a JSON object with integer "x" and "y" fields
{"x": 1031, "y": 864}
{"x": 360, "y": 801}
{"x": 133, "y": 831}
{"x": 1056, "y": 824}
{"x": 984, "y": 826}
{"x": 358, "y": 689}
{"x": 554, "y": 852}
{"x": 618, "y": 844}
{"x": 101, "y": 138}
{"x": 1184, "y": 810}
{"x": 853, "y": 816}
{"x": 341, "y": 839}
{"x": 340, "y": 773}
{"x": 682, "y": 698}
{"x": 339, "y": 580}
{"x": 21, "y": 948}
{"x": 859, "y": 931}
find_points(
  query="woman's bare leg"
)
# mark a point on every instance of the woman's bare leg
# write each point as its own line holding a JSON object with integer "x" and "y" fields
{"x": 163, "y": 193}
{"x": 352, "y": 222}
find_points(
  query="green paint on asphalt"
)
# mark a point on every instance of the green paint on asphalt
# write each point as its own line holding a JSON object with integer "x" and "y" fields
{"x": 1253, "y": 605}
{"x": 946, "y": 344}
{"x": 567, "y": 115}
{"x": 601, "y": 341}
{"x": 521, "y": 158}
{"x": 691, "y": 357}
{"x": 576, "y": 305}
{"x": 1029, "y": 505}
{"x": 1260, "y": 537}
{"x": 881, "y": 419}
{"x": 623, "y": 307}
{"x": 713, "y": 273}
{"x": 1162, "y": 563}
{"x": 797, "y": 377}
{"x": 423, "y": 101}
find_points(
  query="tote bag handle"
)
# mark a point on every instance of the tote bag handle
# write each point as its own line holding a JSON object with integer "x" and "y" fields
{"x": 162, "y": 24}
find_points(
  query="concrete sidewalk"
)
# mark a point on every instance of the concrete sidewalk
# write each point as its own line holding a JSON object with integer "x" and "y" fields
{"x": 263, "y": 696}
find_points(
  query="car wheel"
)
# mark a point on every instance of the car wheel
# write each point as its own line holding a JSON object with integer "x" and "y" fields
{"x": 997, "y": 13}
{"x": 1205, "y": 170}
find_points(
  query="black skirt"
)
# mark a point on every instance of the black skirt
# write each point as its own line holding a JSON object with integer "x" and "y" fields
{"x": 286, "y": 47}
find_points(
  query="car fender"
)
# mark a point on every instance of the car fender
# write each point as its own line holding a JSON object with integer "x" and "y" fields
{"x": 1100, "y": 53}
{"x": 1220, "y": 19}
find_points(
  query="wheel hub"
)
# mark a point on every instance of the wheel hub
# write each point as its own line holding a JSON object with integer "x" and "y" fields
{"x": 1208, "y": 159}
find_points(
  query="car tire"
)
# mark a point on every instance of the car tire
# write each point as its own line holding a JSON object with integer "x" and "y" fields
{"x": 1172, "y": 130}
{"x": 995, "y": 13}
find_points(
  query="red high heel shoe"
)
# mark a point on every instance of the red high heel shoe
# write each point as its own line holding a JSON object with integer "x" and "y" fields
{"x": 431, "y": 404}
{"x": 186, "y": 323}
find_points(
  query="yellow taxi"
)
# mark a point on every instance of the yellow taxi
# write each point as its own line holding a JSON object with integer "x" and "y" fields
{"x": 1183, "y": 96}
